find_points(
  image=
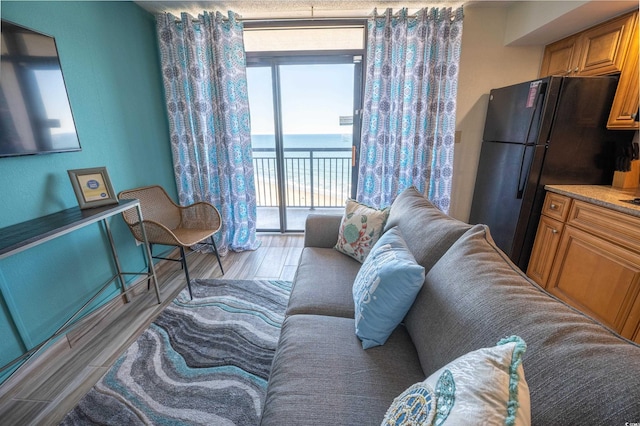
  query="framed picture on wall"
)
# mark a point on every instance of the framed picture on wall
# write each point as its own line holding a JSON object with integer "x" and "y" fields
{"x": 92, "y": 187}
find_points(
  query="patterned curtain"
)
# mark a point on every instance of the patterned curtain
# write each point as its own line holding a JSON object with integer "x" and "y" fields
{"x": 409, "y": 113}
{"x": 204, "y": 73}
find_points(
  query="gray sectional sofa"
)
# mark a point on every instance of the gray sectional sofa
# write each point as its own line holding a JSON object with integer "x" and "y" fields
{"x": 578, "y": 371}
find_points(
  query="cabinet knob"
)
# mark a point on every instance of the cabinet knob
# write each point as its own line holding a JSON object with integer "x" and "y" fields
{"x": 554, "y": 231}
{"x": 553, "y": 206}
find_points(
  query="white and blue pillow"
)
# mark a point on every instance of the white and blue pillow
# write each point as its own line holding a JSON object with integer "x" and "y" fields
{"x": 414, "y": 406}
{"x": 385, "y": 288}
{"x": 486, "y": 384}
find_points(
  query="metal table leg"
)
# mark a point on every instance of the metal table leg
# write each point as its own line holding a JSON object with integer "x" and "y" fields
{"x": 147, "y": 252}
{"x": 114, "y": 254}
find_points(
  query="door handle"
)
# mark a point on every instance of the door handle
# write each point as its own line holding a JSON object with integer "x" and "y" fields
{"x": 522, "y": 179}
{"x": 353, "y": 156}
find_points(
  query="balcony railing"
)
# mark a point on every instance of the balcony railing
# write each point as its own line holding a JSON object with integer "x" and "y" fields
{"x": 313, "y": 177}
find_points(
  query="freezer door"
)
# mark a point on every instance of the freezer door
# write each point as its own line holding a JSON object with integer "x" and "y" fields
{"x": 581, "y": 149}
{"x": 500, "y": 182}
{"x": 513, "y": 114}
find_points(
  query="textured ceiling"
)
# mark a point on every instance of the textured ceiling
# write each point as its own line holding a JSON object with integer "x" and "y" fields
{"x": 537, "y": 20}
{"x": 270, "y": 9}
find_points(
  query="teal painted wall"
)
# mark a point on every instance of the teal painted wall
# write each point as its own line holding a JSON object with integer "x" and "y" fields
{"x": 110, "y": 64}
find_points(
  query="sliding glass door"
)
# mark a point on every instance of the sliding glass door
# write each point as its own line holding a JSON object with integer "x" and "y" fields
{"x": 303, "y": 115}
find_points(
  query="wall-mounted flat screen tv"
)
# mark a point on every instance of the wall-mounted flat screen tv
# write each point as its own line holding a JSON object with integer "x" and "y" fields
{"x": 35, "y": 115}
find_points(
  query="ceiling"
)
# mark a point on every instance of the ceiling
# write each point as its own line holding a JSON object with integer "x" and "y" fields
{"x": 273, "y": 9}
{"x": 533, "y": 22}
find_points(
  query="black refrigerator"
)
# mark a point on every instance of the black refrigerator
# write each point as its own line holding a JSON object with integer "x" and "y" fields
{"x": 541, "y": 132}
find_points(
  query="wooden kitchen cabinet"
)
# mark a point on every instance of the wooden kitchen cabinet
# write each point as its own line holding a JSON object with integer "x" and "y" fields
{"x": 636, "y": 333}
{"x": 591, "y": 260}
{"x": 560, "y": 58}
{"x": 606, "y": 49}
{"x": 554, "y": 213}
{"x": 600, "y": 50}
{"x": 544, "y": 250}
{"x": 624, "y": 111}
{"x": 597, "y": 277}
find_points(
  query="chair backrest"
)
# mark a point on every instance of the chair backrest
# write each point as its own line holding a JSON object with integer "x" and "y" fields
{"x": 156, "y": 205}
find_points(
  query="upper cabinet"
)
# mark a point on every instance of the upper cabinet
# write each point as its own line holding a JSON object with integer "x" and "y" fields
{"x": 608, "y": 48}
{"x": 624, "y": 111}
{"x": 561, "y": 57}
{"x": 603, "y": 49}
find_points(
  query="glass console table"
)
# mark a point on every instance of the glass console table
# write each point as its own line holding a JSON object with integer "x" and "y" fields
{"x": 22, "y": 236}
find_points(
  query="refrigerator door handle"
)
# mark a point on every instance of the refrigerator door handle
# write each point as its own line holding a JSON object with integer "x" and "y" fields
{"x": 522, "y": 178}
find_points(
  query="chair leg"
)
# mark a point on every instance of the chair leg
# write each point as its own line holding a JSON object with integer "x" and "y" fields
{"x": 149, "y": 267}
{"x": 215, "y": 250}
{"x": 186, "y": 270}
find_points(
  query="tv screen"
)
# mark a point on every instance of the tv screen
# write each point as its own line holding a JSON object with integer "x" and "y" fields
{"x": 35, "y": 115}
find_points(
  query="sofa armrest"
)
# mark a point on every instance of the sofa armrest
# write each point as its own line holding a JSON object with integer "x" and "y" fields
{"x": 321, "y": 230}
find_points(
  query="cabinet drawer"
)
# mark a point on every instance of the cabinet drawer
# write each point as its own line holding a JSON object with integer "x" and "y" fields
{"x": 544, "y": 250}
{"x": 607, "y": 224}
{"x": 556, "y": 206}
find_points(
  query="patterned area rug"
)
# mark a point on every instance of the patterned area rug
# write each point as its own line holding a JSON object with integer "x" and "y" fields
{"x": 202, "y": 361}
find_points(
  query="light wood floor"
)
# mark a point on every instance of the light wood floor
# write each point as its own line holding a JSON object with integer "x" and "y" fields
{"x": 44, "y": 392}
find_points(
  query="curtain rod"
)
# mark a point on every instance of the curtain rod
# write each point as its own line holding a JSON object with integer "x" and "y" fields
{"x": 274, "y": 22}
{"x": 253, "y": 23}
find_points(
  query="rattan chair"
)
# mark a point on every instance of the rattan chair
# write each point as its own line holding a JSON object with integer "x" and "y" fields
{"x": 169, "y": 224}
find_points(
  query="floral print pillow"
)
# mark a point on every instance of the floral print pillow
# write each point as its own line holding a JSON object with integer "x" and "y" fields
{"x": 360, "y": 228}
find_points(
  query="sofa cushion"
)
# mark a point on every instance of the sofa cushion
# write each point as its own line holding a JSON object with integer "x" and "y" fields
{"x": 322, "y": 376}
{"x": 578, "y": 371}
{"x": 323, "y": 283}
{"x": 321, "y": 230}
{"x": 385, "y": 288}
{"x": 495, "y": 392}
{"x": 360, "y": 228}
{"x": 427, "y": 231}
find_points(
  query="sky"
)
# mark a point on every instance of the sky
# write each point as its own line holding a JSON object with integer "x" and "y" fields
{"x": 55, "y": 101}
{"x": 313, "y": 98}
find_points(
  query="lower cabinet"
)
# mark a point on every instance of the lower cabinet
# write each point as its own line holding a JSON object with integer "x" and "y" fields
{"x": 592, "y": 262}
{"x": 597, "y": 277}
{"x": 544, "y": 249}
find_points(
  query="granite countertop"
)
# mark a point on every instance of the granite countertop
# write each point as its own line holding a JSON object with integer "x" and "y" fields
{"x": 601, "y": 195}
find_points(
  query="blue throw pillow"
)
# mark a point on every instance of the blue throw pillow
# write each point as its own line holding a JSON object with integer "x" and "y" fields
{"x": 385, "y": 288}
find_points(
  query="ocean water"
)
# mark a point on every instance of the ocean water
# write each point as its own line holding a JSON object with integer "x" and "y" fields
{"x": 304, "y": 141}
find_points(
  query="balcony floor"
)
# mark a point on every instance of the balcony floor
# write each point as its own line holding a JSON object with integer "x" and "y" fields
{"x": 268, "y": 217}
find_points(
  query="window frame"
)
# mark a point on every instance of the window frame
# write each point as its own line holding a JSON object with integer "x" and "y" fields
{"x": 274, "y": 59}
